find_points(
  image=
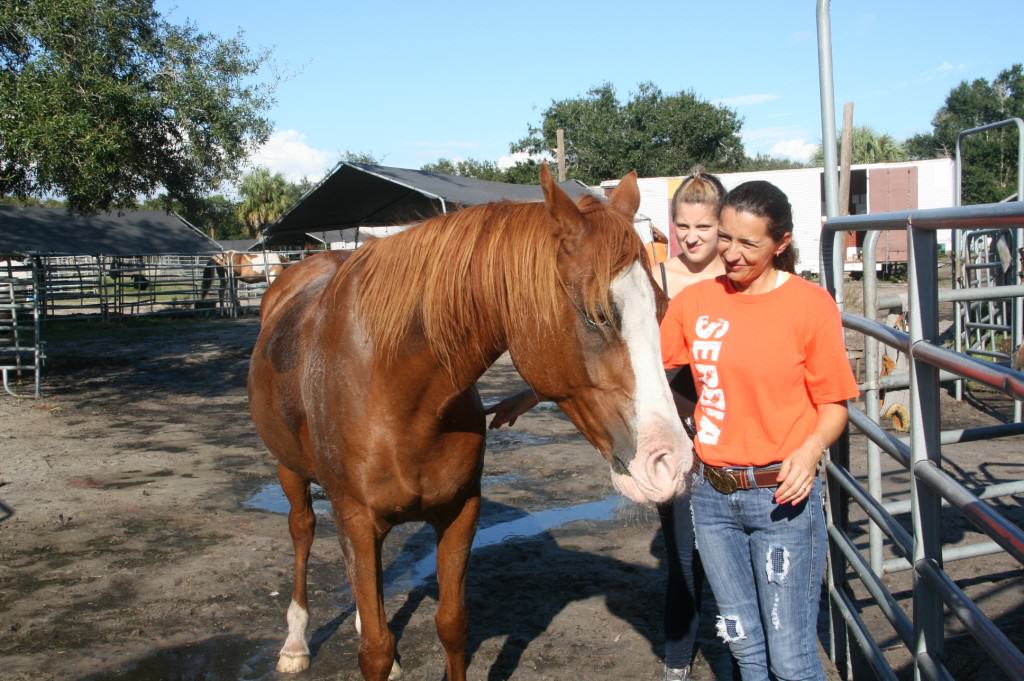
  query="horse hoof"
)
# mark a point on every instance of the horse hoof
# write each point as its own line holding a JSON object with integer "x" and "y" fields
{"x": 396, "y": 671}
{"x": 292, "y": 663}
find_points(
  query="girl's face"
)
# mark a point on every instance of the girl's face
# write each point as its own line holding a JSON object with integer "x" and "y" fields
{"x": 746, "y": 247}
{"x": 696, "y": 231}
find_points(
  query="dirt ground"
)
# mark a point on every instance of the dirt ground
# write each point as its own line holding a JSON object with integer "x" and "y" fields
{"x": 147, "y": 543}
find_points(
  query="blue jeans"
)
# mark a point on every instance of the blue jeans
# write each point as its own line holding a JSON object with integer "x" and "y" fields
{"x": 764, "y": 562}
{"x": 685, "y": 581}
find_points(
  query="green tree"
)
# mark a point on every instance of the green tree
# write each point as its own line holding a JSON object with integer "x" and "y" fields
{"x": 367, "y": 157}
{"x": 216, "y": 215}
{"x": 104, "y": 101}
{"x": 652, "y": 133}
{"x": 989, "y": 158}
{"x": 264, "y": 198}
{"x": 525, "y": 172}
{"x": 869, "y": 147}
{"x": 766, "y": 162}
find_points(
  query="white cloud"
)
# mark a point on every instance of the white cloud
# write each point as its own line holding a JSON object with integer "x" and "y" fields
{"x": 943, "y": 69}
{"x": 515, "y": 158}
{"x": 287, "y": 152}
{"x": 794, "y": 150}
{"x": 746, "y": 100}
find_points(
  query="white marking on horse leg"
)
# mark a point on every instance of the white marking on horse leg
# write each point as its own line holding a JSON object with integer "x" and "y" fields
{"x": 663, "y": 452}
{"x": 396, "y": 669}
{"x": 294, "y": 656}
{"x": 729, "y": 629}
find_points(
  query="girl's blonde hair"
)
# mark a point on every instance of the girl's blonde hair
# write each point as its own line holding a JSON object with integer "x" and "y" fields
{"x": 698, "y": 187}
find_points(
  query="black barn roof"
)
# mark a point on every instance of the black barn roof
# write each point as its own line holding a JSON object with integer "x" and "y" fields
{"x": 359, "y": 194}
{"x": 55, "y": 231}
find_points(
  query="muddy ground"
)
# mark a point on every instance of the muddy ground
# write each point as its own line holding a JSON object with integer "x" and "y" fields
{"x": 146, "y": 542}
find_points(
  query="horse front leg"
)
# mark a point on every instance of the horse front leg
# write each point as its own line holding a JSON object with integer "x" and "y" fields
{"x": 454, "y": 542}
{"x": 376, "y": 642}
{"x": 294, "y": 656}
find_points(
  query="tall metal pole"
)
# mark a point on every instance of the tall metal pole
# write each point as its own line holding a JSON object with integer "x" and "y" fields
{"x": 832, "y": 268}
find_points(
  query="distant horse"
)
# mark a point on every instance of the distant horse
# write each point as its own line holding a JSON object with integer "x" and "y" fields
{"x": 251, "y": 268}
{"x": 128, "y": 272}
{"x": 362, "y": 380}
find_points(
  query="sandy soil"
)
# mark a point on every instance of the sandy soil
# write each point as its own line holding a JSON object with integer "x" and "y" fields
{"x": 135, "y": 551}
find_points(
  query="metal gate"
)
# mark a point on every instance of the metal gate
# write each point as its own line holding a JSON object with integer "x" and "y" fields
{"x": 985, "y": 259}
{"x": 930, "y": 485}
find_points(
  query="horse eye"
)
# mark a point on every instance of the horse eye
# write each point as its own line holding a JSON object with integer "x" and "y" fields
{"x": 602, "y": 319}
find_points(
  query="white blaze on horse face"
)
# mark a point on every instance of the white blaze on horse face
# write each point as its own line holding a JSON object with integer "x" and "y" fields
{"x": 663, "y": 454}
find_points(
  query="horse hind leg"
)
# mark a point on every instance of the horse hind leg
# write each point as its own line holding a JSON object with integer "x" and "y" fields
{"x": 294, "y": 656}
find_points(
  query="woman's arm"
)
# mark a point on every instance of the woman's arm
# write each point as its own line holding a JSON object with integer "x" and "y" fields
{"x": 509, "y": 409}
{"x": 801, "y": 467}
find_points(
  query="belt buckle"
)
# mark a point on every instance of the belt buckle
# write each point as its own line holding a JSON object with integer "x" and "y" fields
{"x": 723, "y": 482}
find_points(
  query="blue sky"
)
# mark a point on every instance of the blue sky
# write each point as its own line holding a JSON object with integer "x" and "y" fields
{"x": 411, "y": 82}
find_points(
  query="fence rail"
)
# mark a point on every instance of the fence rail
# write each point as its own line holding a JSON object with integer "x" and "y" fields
{"x": 930, "y": 486}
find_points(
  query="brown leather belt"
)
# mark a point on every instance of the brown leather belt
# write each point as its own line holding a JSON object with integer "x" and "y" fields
{"x": 731, "y": 478}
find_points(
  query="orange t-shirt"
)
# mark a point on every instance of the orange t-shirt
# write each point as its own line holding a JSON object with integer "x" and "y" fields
{"x": 760, "y": 364}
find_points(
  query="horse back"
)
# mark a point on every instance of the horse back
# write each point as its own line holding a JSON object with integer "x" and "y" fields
{"x": 299, "y": 276}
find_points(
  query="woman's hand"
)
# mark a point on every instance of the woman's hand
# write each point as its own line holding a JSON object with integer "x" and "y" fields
{"x": 509, "y": 409}
{"x": 800, "y": 468}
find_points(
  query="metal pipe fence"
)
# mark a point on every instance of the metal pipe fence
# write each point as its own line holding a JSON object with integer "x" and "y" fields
{"x": 41, "y": 288}
{"x": 930, "y": 487}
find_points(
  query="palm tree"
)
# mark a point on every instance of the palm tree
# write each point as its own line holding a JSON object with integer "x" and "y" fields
{"x": 265, "y": 198}
{"x": 870, "y": 147}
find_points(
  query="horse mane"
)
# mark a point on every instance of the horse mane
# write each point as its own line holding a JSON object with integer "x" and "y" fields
{"x": 464, "y": 279}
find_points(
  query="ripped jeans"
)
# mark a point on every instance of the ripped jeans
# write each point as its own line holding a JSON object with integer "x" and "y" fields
{"x": 764, "y": 562}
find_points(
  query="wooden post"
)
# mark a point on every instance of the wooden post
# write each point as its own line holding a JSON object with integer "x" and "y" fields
{"x": 845, "y": 159}
{"x": 560, "y": 151}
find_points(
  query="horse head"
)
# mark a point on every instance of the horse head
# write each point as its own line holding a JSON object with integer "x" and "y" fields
{"x": 600, "y": 359}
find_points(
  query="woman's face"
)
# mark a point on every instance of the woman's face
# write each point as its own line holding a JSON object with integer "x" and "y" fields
{"x": 696, "y": 231}
{"x": 746, "y": 247}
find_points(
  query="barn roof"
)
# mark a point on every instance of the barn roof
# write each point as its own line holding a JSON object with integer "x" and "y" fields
{"x": 356, "y": 194}
{"x": 55, "y": 231}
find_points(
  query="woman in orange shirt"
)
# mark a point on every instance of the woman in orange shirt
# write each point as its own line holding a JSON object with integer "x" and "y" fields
{"x": 766, "y": 353}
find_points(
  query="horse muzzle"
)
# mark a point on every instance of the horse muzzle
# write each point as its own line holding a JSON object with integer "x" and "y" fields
{"x": 658, "y": 470}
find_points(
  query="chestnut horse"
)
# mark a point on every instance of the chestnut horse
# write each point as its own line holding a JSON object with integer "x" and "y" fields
{"x": 362, "y": 380}
{"x": 251, "y": 268}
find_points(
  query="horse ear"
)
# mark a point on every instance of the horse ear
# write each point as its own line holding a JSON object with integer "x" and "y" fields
{"x": 625, "y": 198}
{"x": 563, "y": 209}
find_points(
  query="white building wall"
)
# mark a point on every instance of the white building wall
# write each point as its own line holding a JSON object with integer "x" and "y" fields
{"x": 803, "y": 187}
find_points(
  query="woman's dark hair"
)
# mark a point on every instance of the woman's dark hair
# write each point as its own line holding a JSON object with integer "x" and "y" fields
{"x": 767, "y": 201}
{"x": 698, "y": 187}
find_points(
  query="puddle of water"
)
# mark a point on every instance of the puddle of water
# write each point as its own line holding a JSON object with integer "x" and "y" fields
{"x": 401, "y": 578}
{"x": 516, "y": 530}
{"x": 217, "y": 659}
{"x": 271, "y": 498}
{"x": 501, "y": 440}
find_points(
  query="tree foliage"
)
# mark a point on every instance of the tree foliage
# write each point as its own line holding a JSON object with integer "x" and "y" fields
{"x": 869, "y": 147}
{"x": 526, "y": 172}
{"x": 652, "y": 133}
{"x": 103, "y": 101}
{"x": 989, "y": 158}
{"x": 265, "y": 197}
